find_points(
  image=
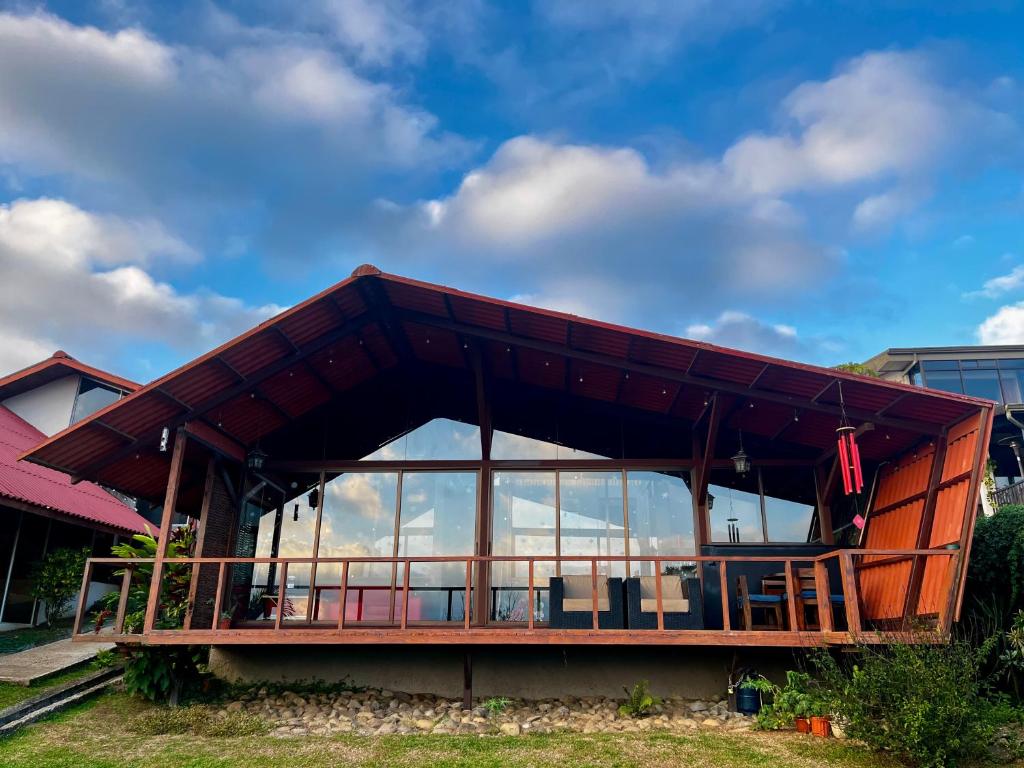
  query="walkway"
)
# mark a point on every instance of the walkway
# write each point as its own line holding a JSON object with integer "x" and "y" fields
{"x": 25, "y": 667}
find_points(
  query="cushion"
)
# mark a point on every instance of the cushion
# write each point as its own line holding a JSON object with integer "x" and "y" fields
{"x": 577, "y": 604}
{"x": 810, "y": 594}
{"x": 764, "y": 599}
{"x": 671, "y": 588}
{"x": 668, "y": 605}
{"x": 580, "y": 587}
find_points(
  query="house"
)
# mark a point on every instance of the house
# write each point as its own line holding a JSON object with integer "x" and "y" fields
{"x": 397, "y": 482}
{"x": 43, "y": 509}
{"x": 993, "y": 372}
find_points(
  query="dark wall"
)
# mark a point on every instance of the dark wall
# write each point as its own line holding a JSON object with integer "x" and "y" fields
{"x": 216, "y": 539}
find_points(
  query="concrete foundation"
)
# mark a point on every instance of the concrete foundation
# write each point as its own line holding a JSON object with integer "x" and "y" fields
{"x": 529, "y": 673}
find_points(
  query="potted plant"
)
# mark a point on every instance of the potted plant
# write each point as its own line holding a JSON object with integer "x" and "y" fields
{"x": 225, "y": 620}
{"x": 821, "y": 724}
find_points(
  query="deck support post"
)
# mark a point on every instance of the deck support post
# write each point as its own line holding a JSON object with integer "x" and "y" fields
{"x": 170, "y": 502}
{"x": 467, "y": 680}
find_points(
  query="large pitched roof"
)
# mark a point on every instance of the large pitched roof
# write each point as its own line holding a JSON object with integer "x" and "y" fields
{"x": 51, "y": 490}
{"x": 56, "y": 366}
{"x": 374, "y": 324}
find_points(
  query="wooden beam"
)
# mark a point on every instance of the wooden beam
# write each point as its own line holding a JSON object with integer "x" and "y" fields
{"x": 717, "y": 385}
{"x": 170, "y": 502}
{"x": 824, "y": 488}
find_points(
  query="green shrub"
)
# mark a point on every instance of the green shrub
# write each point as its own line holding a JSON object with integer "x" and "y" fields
{"x": 166, "y": 673}
{"x": 639, "y": 701}
{"x": 197, "y": 720}
{"x": 496, "y": 705}
{"x": 995, "y": 573}
{"x": 57, "y": 579}
{"x": 924, "y": 703}
{"x": 798, "y": 698}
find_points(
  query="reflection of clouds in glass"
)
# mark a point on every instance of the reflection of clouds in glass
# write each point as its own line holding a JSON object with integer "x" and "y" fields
{"x": 435, "y": 440}
{"x": 357, "y": 492}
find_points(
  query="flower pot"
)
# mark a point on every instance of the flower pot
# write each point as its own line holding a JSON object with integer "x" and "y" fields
{"x": 224, "y": 624}
{"x": 820, "y": 726}
{"x": 803, "y": 725}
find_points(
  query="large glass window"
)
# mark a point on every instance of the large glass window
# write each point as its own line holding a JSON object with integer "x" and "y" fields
{"x": 660, "y": 517}
{"x": 982, "y": 383}
{"x": 591, "y": 519}
{"x": 437, "y": 440}
{"x": 734, "y": 506}
{"x": 505, "y": 445}
{"x": 942, "y": 374}
{"x": 523, "y": 524}
{"x": 789, "y": 503}
{"x": 438, "y": 518}
{"x": 91, "y": 397}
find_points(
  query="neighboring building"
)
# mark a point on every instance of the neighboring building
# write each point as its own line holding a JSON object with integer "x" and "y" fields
{"x": 395, "y": 463}
{"x": 993, "y": 372}
{"x": 42, "y": 509}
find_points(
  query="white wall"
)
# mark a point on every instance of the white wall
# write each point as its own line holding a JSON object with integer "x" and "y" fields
{"x": 47, "y": 408}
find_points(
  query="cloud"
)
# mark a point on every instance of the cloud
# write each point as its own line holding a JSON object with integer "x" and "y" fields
{"x": 997, "y": 286}
{"x": 376, "y": 31}
{"x": 877, "y": 212}
{"x": 883, "y": 115}
{"x": 1004, "y": 327}
{"x": 739, "y": 330}
{"x": 77, "y": 280}
{"x": 173, "y": 128}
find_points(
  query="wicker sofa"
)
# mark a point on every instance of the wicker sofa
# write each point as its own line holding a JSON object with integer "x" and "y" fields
{"x": 682, "y": 604}
{"x": 572, "y": 603}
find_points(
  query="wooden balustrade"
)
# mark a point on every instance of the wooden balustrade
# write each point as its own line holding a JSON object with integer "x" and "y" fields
{"x": 796, "y": 573}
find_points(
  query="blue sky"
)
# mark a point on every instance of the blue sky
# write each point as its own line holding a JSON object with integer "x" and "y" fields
{"x": 813, "y": 180}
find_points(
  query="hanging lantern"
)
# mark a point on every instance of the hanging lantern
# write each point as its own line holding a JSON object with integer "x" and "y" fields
{"x": 255, "y": 459}
{"x": 849, "y": 460}
{"x": 741, "y": 461}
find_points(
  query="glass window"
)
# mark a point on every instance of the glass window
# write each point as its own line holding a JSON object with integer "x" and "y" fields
{"x": 947, "y": 381}
{"x": 92, "y": 396}
{"x": 505, "y": 445}
{"x": 660, "y": 517}
{"x": 915, "y": 376}
{"x": 1013, "y": 385}
{"x": 982, "y": 383}
{"x": 1012, "y": 363}
{"x": 940, "y": 365}
{"x": 437, "y": 440}
{"x": 734, "y": 507}
{"x": 522, "y": 524}
{"x": 789, "y": 503}
{"x": 438, "y": 517}
{"x": 591, "y": 519}
{"x": 358, "y": 520}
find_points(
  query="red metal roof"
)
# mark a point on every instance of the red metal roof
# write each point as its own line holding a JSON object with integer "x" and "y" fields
{"x": 372, "y": 322}
{"x": 52, "y": 490}
{"x": 58, "y": 365}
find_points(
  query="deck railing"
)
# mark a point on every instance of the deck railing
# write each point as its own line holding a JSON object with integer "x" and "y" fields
{"x": 871, "y": 599}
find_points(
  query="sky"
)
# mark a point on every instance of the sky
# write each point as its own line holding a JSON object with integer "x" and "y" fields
{"x": 816, "y": 181}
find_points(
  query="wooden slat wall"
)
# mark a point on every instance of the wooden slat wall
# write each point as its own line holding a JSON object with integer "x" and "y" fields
{"x": 883, "y": 588}
{"x": 952, "y": 511}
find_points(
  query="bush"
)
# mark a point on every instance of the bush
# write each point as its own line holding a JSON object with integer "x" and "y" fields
{"x": 924, "y": 703}
{"x": 57, "y": 580}
{"x": 995, "y": 573}
{"x": 796, "y": 699}
{"x": 164, "y": 673}
{"x": 197, "y": 720}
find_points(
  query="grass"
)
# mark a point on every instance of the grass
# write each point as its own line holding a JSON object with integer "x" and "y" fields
{"x": 105, "y": 733}
{"x": 15, "y": 694}
{"x": 21, "y": 639}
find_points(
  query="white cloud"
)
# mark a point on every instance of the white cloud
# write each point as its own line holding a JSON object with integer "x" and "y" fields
{"x": 997, "y": 286}
{"x": 1004, "y": 327}
{"x": 76, "y": 280}
{"x": 884, "y": 114}
{"x": 877, "y": 212}
{"x": 377, "y": 31}
{"x": 740, "y": 330}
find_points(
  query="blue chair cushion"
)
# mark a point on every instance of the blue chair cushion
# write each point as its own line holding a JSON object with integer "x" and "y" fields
{"x": 810, "y": 594}
{"x": 764, "y": 599}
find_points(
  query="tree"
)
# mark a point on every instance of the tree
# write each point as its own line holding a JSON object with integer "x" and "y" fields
{"x": 56, "y": 580}
{"x": 858, "y": 368}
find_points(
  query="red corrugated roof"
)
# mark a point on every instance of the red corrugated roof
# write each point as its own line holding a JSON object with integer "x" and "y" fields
{"x": 42, "y": 487}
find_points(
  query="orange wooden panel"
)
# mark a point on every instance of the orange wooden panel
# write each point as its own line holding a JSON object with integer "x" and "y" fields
{"x": 882, "y": 590}
{"x": 938, "y": 571}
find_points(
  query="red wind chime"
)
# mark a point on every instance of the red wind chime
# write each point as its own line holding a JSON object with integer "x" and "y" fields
{"x": 849, "y": 453}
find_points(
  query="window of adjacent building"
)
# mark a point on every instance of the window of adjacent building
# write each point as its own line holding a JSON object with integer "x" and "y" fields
{"x": 91, "y": 397}
{"x": 1000, "y": 380}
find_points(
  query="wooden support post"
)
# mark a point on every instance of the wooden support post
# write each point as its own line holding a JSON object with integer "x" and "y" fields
{"x": 593, "y": 592}
{"x": 218, "y": 601}
{"x": 405, "y": 593}
{"x": 82, "y": 597}
{"x": 824, "y": 487}
{"x": 170, "y": 502}
{"x": 850, "y": 593}
{"x": 726, "y": 597}
{"x": 530, "y": 595}
{"x": 824, "y": 595}
{"x": 792, "y": 595}
{"x": 122, "y": 600}
{"x": 282, "y": 595}
{"x": 657, "y": 595}
{"x": 467, "y": 603}
{"x": 467, "y": 680}
{"x": 343, "y": 605}
{"x": 204, "y": 514}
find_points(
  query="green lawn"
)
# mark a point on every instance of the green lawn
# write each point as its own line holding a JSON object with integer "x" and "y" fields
{"x": 20, "y": 639}
{"x": 13, "y": 694}
{"x": 103, "y": 734}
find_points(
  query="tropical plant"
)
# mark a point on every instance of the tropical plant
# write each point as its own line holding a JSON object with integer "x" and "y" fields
{"x": 639, "y": 700}
{"x": 57, "y": 578}
{"x": 1011, "y": 660}
{"x": 795, "y": 699}
{"x": 496, "y": 705}
{"x": 164, "y": 673}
